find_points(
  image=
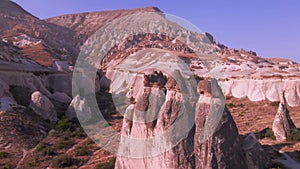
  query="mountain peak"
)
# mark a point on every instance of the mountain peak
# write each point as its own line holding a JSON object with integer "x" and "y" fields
{"x": 10, "y": 7}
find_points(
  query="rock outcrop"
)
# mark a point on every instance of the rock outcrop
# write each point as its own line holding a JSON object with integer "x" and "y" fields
{"x": 283, "y": 123}
{"x": 265, "y": 89}
{"x": 206, "y": 146}
{"x": 219, "y": 146}
{"x": 179, "y": 156}
{"x": 61, "y": 97}
{"x": 256, "y": 157}
{"x": 223, "y": 148}
{"x": 78, "y": 108}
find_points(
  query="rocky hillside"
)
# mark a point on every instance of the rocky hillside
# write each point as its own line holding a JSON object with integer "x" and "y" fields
{"x": 86, "y": 24}
{"x": 34, "y": 36}
{"x": 254, "y": 124}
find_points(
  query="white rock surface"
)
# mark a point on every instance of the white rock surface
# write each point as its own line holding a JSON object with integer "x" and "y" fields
{"x": 79, "y": 109}
{"x": 42, "y": 106}
{"x": 258, "y": 90}
{"x": 283, "y": 123}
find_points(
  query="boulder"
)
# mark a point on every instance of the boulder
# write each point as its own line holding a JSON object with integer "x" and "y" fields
{"x": 61, "y": 97}
{"x": 42, "y": 106}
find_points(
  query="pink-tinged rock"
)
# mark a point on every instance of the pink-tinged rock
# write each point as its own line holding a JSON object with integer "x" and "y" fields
{"x": 42, "y": 106}
{"x": 283, "y": 123}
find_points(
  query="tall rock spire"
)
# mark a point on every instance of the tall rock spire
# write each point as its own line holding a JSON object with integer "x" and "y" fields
{"x": 283, "y": 123}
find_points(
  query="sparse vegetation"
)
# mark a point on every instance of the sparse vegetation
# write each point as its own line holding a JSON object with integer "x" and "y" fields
{"x": 268, "y": 133}
{"x": 31, "y": 164}
{"x": 41, "y": 146}
{"x": 231, "y": 105}
{"x": 8, "y": 166}
{"x": 82, "y": 151}
{"x": 241, "y": 105}
{"x": 36, "y": 158}
{"x": 65, "y": 144}
{"x": 107, "y": 165}
{"x": 3, "y": 155}
{"x": 90, "y": 141}
{"x": 78, "y": 133}
{"x": 45, "y": 149}
{"x": 64, "y": 125}
{"x": 49, "y": 152}
{"x": 294, "y": 135}
{"x": 63, "y": 161}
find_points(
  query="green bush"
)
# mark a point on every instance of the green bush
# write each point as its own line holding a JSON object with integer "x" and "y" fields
{"x": 268, "y": 133}
{"x": 63, "y": 125}
{"x": 79, "y": 133}
{"x": 230, "y": 105}
{"x": 63, "y": 161}
{"x": 294, "y": 135}
{"x": 241, "y": 105}
{"x": 90, "y": 141}
{"x": 49, "y": 152}
{"x": 107, "y": 165}
{"x": 41, "y": 146}
{"x": 65, "y": 144}
{"x": 3, "y": 155}
{"x": 82, "y": 151}
{"x": 45, "y": 149}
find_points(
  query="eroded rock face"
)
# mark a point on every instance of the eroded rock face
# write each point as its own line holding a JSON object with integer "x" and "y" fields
{"x": 262, "y": 89}
{"x": 223, "y": 149}
{"x": 42, "y": 106}
{"x": 165, "y": 108}
{"x": 78, "y": 109}
{"x": 283, "y": 123}
{"x": 220, "y": 149}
